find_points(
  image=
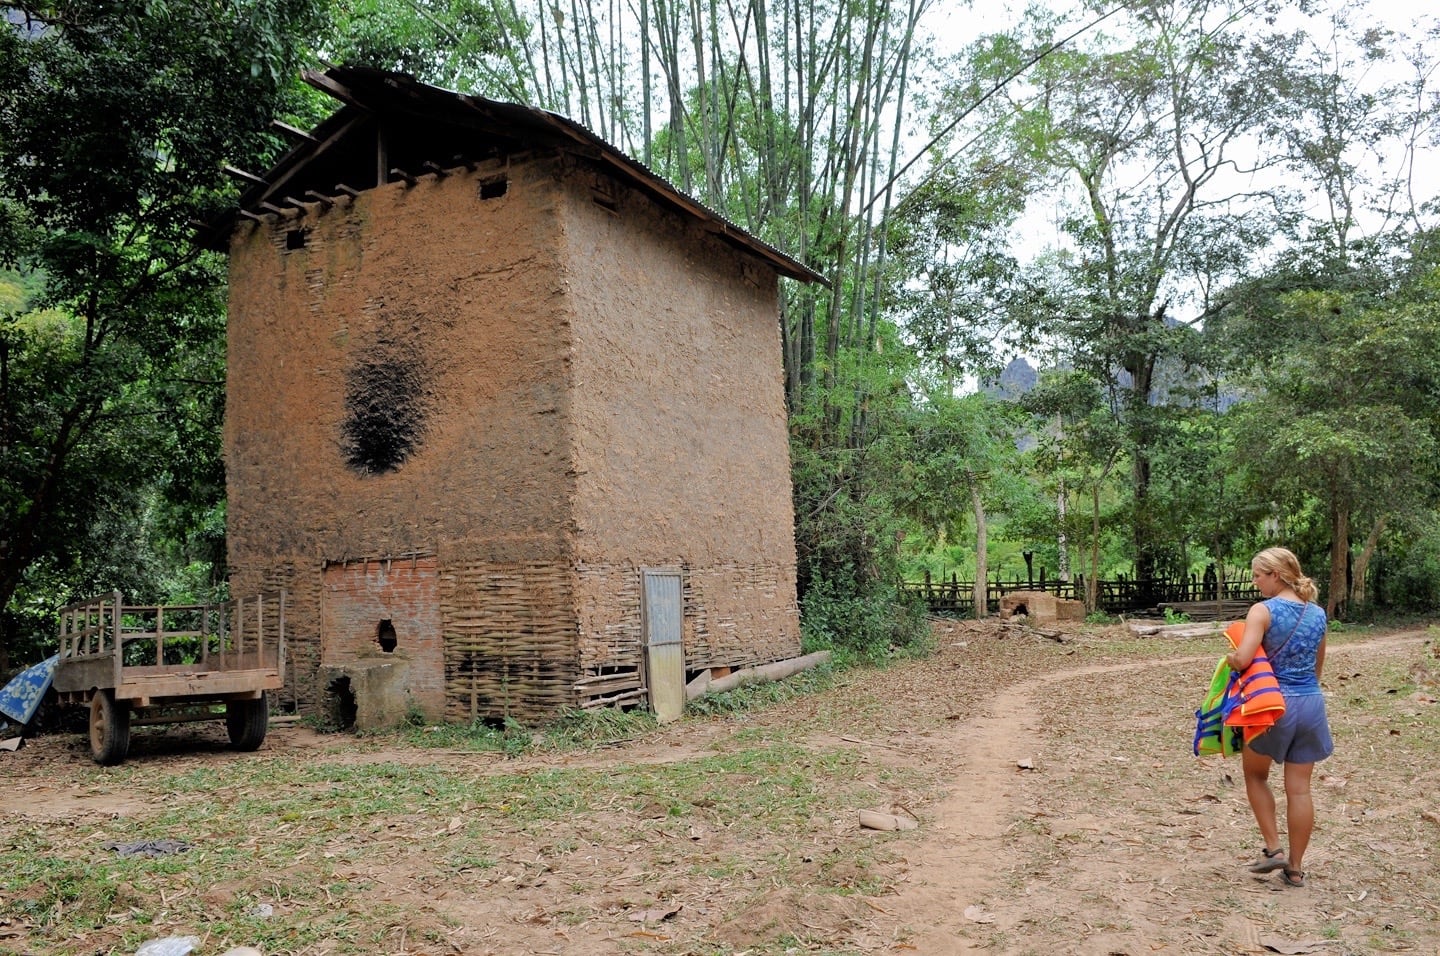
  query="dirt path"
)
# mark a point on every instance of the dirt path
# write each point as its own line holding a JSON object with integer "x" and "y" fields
{"x": 959, "y": 879}
{"x": 1110, "y": 839}
{"x": 952, "y": 874}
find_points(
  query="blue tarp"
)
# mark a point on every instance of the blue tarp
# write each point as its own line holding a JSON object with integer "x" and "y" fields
{"x": 21, "y": 697}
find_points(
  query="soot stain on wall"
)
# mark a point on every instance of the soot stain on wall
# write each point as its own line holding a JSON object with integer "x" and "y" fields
{"x": 386, "y": 406}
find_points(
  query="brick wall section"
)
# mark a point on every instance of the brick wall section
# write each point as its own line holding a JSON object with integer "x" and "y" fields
{"x": 358, "y": 595}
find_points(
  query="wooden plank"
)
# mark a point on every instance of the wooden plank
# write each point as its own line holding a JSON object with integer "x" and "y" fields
{"x": 207, "y": 683}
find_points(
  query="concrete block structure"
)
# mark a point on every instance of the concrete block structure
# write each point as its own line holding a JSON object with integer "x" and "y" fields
{"x": 505, "y": 404}
{"x": 1040, "y": 606}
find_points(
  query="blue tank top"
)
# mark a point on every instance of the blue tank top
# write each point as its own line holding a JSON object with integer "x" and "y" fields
{"x": 1294, "y": 664}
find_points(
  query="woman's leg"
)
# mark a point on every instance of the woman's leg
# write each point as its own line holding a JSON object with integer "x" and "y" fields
{"x": 1262, "y": 801}
{"x": 1299, "y": 811}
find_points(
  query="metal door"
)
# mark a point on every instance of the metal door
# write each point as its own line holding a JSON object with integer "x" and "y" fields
{"x": 662, "y": 613}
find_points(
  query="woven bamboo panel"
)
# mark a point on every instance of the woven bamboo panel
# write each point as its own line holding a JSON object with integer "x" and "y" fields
{"x": 510, "y": 641}
{"x": 742, "y": 615}
{"x": 609, "y": 617}
{"x": 302, "y": 628}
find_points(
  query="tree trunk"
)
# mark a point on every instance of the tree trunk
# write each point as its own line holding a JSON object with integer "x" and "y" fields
{"x": 1339, "y": 559}
{"x": 1062, "y": 542}
{"x": 1362, "y": 563}
{"x": 982, "y": 566}
{"x": 1092, "y": 583}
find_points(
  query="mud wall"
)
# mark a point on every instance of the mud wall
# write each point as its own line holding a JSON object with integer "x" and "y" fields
{"x": 398, "y": 382}
{"x": 681, "y": 442}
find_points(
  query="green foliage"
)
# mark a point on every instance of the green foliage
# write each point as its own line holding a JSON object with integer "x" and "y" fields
{"x": 1347, "y": 381}
{"x": 862, "y": 624}
{"x": 1410, "y": 572}
{"x": 115, "y": 122}
{"x": 436, "y": 41}
{"x": 1175, "y": 617}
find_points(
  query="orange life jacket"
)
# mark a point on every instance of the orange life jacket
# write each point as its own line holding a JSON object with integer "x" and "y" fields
{"x": 1254, "y": 700}
{"x": 1237, "y": 707}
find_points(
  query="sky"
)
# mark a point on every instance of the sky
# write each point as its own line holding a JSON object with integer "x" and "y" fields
{"x": 1410, "y": 18}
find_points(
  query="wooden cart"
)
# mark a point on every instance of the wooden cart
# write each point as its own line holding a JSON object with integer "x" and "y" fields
{"x": 156, "y": 664}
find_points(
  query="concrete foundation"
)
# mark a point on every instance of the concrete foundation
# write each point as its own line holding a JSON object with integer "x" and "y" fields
{"x": 366, "y": 694}
{"x": 1040, "y": 606}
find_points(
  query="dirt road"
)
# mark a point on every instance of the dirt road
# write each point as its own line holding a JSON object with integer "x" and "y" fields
{"x": 1118, "y": 842}
{"x": 1058, "y": 807}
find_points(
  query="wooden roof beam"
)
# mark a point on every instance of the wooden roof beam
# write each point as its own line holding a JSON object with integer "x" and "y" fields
{"x": 240, "y": 174}
{"x": 293, "y": 132}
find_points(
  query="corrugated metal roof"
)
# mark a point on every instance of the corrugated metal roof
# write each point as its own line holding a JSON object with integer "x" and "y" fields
{"x": 421, "y": 128}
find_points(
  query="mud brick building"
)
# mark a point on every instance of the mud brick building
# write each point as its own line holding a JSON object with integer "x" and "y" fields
{"x": 505, "y": 406}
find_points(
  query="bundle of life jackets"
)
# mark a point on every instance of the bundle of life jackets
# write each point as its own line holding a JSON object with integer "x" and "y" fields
{"x": 1237, "y": 707}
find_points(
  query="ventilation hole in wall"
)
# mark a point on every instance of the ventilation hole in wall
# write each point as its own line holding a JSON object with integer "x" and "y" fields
{"x": 295, "y": 238}
{"x": 494, "y": 188}
{"x": 385, "y": 636}
{"x": 385, "y": 406}
{"x": 609, "y": 205}
{"x": 340, "y": 706}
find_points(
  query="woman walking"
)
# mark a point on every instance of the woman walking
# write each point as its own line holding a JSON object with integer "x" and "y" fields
{"x": 1290, "y": 627}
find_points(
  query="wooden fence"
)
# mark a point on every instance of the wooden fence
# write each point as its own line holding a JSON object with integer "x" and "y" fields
{"x": 1200, "y": 597}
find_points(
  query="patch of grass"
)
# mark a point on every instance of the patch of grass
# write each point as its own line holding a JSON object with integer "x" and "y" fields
{"x": 510, "y": 738}
{"x": 305, "y": 835}
{"x": 758, "y": 696}
{"x": 579, "y": 729}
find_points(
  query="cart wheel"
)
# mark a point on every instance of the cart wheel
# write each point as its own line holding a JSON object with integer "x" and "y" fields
{"x": 109, "y": 728}
{"x": 246, "y": 721}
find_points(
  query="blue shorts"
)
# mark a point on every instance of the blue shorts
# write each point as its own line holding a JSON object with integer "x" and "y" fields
{"x": 1302, "y": 735}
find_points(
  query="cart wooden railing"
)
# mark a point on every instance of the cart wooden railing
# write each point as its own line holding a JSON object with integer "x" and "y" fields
{"x": 107, "y": 643}
{"x": 168, "y": 663}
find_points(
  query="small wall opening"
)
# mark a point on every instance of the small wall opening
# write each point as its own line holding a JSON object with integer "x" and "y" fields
{"x": 494, "y": 188}
{"x": 385, "y": 636}
{"x": 340, "y": 707}
{"x": 295, "y": 239}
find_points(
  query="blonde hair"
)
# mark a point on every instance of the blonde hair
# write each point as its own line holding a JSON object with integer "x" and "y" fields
{"x": 1283, "y": 563}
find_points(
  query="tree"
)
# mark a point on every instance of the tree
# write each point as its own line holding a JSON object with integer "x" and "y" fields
{"x": 955, "y": 455}
{"x": 1348, "y": 408}
{"x": 1139, "y": 130}
{"x": 1080, "y": 445}
{"x": 116, "y": 121}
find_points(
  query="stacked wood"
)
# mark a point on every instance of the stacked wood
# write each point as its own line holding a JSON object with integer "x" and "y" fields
{"x": 1209, "y": 610}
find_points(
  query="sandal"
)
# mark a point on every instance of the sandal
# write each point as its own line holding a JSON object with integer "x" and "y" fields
{"x": 1292, "y": 877}
{"x": 1269, "y": 861}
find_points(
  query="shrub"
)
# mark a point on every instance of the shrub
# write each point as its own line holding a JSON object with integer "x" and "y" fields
{"x": 867, "y": 625}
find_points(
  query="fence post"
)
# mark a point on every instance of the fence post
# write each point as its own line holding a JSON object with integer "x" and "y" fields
{"x": 118, "y": 636}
